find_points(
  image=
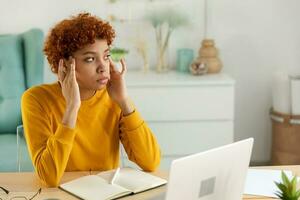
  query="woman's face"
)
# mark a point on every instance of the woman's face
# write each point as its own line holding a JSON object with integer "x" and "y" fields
{"x": 92, "y": 65}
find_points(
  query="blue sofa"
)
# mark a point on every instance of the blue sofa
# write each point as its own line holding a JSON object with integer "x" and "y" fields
{"x": 21, "y": 67}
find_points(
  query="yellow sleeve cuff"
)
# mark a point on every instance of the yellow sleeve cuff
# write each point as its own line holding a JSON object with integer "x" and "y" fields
{"x": 132, "y": 121}
{"x": 65, "y": 134}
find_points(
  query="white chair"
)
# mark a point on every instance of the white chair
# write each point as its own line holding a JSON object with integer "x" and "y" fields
{"x": 24, "y": 162}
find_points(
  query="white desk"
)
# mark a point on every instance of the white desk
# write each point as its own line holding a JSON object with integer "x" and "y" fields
{"x": 29, "y": 182}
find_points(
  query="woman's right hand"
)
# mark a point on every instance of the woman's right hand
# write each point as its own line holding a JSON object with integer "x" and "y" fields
{"x": 68, "y": 82}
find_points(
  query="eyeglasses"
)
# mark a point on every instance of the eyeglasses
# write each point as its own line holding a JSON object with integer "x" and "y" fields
{"x": 5, "y": 195}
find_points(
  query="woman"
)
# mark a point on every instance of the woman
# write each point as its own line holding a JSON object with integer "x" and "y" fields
{"x": 77, "y": 122}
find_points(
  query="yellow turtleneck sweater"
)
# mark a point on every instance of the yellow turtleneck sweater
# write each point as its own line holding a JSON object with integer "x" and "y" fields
{"x": 92, "y": 145}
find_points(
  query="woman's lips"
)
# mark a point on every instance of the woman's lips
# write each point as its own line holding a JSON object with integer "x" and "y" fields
{"x": 103, "y": 80}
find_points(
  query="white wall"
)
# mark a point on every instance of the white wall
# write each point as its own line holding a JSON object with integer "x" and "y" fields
{"x": 18, "y": 16}
{"x": 255, "y": 38}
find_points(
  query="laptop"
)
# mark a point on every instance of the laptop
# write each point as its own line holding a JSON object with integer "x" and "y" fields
{"x": 216, "y": 174}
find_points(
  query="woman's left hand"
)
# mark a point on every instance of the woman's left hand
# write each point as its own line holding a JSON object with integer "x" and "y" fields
{"x": 116, "y": 87}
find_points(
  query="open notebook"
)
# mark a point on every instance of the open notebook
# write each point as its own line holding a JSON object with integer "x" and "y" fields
{"x": 128, "y": 181}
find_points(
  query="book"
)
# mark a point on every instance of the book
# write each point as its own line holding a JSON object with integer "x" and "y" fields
{"x": 127, "y": 181}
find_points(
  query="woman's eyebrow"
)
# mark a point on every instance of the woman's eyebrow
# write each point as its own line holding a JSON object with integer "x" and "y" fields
{"x": 89, "y": 52}
{"x": 93, "y": 52}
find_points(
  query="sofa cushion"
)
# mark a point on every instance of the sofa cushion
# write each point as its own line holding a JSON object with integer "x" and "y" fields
{"x": 12, "y": 82}
{"x": 34, "y": 58}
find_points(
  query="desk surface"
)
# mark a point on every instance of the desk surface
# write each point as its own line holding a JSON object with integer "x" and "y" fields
{"x": 28, "y": 183}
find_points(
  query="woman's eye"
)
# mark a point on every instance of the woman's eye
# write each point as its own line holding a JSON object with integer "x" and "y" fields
{"x": 89, "y": 59}
{"x": 107, "y": 56}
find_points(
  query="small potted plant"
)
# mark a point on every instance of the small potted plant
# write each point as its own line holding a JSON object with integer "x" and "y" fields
{"x": 118, "y": 53}
{"x": 288, "y": 188}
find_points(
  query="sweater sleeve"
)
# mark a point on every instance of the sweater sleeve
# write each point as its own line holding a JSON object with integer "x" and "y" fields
{"x": 49, "y": 151}
{"x": 139, "y": 142}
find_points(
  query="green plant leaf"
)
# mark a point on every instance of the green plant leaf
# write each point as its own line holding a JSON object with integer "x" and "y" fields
{"x": 297, "y": 194}
{"x": 287, "y": 188}
{"x": 118, "y": 53}
{"x": 284, "y": 178}
{"x": 294, "y": 185}
{"x": 281, "y": 186}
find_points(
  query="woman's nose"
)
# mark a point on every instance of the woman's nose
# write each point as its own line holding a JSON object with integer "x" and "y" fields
{"x": 101, "y": 69}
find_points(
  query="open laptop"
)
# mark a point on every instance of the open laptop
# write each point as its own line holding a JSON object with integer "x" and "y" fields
{"x": 216, "y": 174}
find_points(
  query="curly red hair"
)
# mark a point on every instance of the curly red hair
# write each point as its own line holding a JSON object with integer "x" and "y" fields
{"x": 73, "y": 34}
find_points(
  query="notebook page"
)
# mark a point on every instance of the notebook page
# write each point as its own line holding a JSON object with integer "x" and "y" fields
{"x": 137, "y": 181}
{"x": 94, "y": 188}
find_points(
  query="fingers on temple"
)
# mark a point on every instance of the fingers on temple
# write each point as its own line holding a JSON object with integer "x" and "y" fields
{"x": 112, "y": 65}
{"x": 61, "y": 72}
{"x": 124, "y": 66}
{"x": 72, "y": 68}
